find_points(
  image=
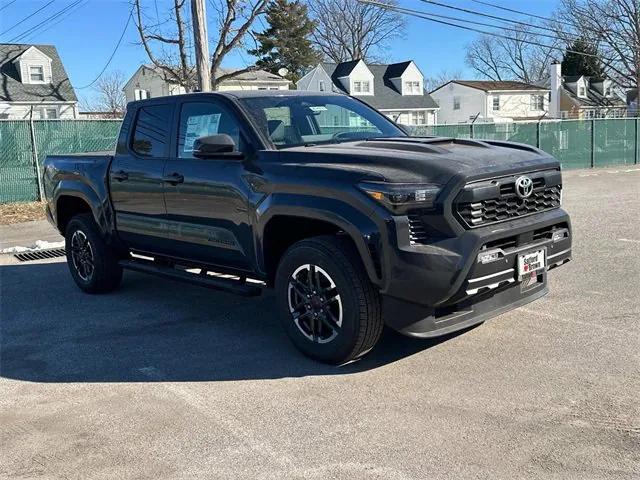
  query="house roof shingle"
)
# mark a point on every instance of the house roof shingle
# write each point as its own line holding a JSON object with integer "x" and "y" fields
{"x": 385, "y": 96}
{"x": 594, "y": 97}
{"x": 493, "y": 85}
{"x": 13, "y": 90}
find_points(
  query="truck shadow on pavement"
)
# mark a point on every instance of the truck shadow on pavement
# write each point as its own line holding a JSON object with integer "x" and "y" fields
{"x": 152, "y": 330}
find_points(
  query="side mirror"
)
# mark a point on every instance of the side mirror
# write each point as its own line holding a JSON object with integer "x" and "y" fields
{"x": 216, "y": 146}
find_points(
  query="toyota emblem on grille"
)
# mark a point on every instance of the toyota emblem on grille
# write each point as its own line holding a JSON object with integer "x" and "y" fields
{"x": 524, "y": 187}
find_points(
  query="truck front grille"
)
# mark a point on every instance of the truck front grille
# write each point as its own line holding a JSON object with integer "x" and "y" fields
{"x": 503, "y": 203}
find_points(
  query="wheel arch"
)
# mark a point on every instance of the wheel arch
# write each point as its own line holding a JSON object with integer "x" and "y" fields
{"x": 72, "y": 199}
{"x": 280, "y": 226}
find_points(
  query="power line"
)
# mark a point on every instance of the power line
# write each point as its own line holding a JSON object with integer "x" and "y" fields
{"x": 49, "y": 27}
{"x": 482, "y": 14}
{"x": 28, "y": 17}
{"x": 473, "y": 22}
{"x": 418, "y": 14}
{"x": 113, "y": 54}
{"x": 512, "y": 10}
{"x": 27, "y": 32}
{"x": 7, "y": 4}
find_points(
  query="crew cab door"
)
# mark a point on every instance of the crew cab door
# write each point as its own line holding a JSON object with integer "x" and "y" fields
{"x": 135, "y": 178}
{"x": 208, "y": 204}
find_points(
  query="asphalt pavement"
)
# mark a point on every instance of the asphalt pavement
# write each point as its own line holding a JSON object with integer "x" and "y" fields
{"x": 165, "y": 380}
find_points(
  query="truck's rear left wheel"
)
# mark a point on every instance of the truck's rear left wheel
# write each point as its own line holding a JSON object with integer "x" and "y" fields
{"x": 327, "y": 304}
{"x": 93, "y": 264}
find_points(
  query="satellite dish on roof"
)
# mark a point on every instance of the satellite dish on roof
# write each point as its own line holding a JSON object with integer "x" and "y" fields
{"x": 283, "y": 72}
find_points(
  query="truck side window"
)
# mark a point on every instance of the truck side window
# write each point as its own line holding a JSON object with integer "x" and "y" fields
{"x": 151, "y": 131}
{"x": 201, "y": 119}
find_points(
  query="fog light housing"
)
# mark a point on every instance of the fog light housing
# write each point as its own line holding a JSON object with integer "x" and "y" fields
{"x": 489, "y": 256}
{"x": 559, "y": 235}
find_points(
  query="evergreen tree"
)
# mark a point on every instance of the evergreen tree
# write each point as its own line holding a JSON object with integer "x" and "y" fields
{"x": 286, "y": 44}
{"x": 575, "y": 63}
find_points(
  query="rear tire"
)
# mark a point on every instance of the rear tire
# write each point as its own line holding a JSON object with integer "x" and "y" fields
{"x": 326, "y": 302}
{"x": 93, "y": 264}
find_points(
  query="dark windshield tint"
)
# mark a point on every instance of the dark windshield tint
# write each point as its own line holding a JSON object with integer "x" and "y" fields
{"x": 312, "y": 119}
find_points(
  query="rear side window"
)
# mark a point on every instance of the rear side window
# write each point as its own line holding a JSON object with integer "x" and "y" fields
{"x": 151, "y": 131}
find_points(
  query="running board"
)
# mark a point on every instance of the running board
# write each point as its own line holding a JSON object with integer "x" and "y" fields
{"x": 237, "y": 287}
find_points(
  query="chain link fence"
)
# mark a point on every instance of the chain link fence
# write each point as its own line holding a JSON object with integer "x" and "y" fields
{"x": 576, "y": 143}
{"x": 23, "y": 143}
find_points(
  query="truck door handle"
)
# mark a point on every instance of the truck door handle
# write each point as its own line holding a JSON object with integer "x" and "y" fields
{"x": 120, "y": 175}
{"x": 173, "y": 179}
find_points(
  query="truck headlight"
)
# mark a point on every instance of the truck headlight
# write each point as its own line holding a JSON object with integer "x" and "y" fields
{"x": 398, "y": 197}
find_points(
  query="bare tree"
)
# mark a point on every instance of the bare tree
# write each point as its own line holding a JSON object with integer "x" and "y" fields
{"x": 168, "y": 43}
{"x": 110, "y": 94}
{"x": 442, "y": 77}
{"x": 348, "y": 29}
{"x": 523, "y": 56}
{"x": 612, "y": 25}
{"x": 234, "y": 18}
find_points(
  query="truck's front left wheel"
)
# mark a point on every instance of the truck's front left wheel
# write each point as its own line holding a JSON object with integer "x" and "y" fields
{"x": 328, "y": 306}
{"x": 93, "y": 264}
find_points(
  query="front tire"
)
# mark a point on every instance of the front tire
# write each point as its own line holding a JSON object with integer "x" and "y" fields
{"x": 326, "y": 302}
{"x": 93, "y": 264}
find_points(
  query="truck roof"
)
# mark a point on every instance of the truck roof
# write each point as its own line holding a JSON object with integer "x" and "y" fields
{"x": 245, "y": 94}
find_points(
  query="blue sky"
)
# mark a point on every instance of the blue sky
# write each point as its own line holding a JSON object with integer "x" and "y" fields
{"x": 87, "y": 35}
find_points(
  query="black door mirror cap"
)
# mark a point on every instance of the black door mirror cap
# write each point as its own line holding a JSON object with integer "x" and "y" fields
{"x": 216, "y": 146}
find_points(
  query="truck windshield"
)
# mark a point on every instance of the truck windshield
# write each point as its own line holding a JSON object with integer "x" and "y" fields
{"x": 308, "y": 120}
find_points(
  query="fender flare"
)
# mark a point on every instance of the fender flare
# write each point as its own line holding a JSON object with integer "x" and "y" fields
{"x": 70, "y": 188}
{"x": 360, "y": 227}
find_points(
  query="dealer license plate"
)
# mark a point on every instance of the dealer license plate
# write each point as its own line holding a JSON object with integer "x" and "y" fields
{"x": 530, "y": 262}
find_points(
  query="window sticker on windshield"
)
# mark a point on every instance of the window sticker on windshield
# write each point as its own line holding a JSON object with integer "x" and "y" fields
{"x": 200, "y": 126}
{"x": 318, "y": 108}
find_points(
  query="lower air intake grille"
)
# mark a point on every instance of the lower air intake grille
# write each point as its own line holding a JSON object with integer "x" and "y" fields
{"x": 417, "y": 232}
{"x": 508, "y": 206}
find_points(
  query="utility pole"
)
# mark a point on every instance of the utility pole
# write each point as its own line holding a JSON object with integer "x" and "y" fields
{"x": 201, "y": 42}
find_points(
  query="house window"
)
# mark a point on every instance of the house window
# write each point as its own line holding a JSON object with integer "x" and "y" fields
{"x": 140, "y": 94}
{"x": 582, "y": 92}
{"x": 412, "y": 87}
{"x": 321, "y": 85}
{"x": 262, "y": 88}
{"x": 274, "y": 88}
{"x": 456, "y": 103}
{"x": 357, "y": 87}
{"x": 36, "y": 73}
{"x": 365, "y": 86}
{"x": 564, "y": 114}
{"x": 607, "y": 92}
{"x": 496, "y": 102}
{"x": 50, "y": 113}
{"x": 418, "y": 118}
{"x": 537, "y": 102}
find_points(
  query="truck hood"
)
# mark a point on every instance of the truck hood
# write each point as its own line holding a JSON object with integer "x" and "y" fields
{"x": 419, "y": 160}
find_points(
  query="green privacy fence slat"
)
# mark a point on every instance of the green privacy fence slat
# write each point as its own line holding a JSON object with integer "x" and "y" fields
{"x": 575, "y": 143}
{"x": 568, "y": 141}
{"x": 17, "y": 174}
{"x": 614, "y": 142}
{"x": 18, "y": 182}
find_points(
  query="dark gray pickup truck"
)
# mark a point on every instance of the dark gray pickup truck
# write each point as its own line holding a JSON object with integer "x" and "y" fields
{"x": 354, "y": 223}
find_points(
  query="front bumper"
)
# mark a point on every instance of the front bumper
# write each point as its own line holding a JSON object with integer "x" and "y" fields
{"x": 436, "y": 288}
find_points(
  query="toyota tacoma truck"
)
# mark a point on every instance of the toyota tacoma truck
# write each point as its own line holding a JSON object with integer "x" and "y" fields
{"x": 354, "y": 223}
